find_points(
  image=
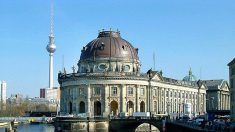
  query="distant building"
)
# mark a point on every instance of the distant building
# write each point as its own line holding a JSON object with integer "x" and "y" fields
{"x": 16, "y": 99}
{"x": 217, "y": 95}
{"x": 3, "y": 95}
{"x": 50, "y": 93}
{"x": 232, "y": 87}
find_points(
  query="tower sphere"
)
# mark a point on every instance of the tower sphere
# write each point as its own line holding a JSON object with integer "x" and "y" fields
{"x": 51, "y": 48}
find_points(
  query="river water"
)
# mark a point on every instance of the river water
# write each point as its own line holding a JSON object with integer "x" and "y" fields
{"x": 33, "y": 128}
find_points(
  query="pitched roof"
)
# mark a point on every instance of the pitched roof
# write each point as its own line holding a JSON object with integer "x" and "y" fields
{"x": 232, "y": 62}
{"x": 213, "y": 84}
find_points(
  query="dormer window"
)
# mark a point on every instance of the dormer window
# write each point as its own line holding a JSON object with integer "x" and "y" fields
{"x": 101, "y": 46}
{"x": 124, "y": 47}
{"x": 84, "y": 48}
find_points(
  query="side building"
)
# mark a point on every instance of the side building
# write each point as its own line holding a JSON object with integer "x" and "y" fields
{"x": 231, "y": 66}
{"x": 218, "y": 95}
{"x": 108, "y": 81}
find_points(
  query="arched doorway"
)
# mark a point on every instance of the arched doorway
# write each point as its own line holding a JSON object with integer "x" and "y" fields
{"x": 130, "y": 107}
{"x": 114, "y": 107}
{"x": 82, "y": 107}
{"x": 97, "y": 108}
{"x": 142, "y": 106}
{"x": 70, "y": 107}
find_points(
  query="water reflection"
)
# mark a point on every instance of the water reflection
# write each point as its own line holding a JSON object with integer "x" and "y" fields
{"x": 33, "y": 128}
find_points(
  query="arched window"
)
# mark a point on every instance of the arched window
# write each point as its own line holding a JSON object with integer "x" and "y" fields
{"x": 82, "y": 107}
{"x": 97, "y": 108}
{"x": 114, "y": 107}
{"x": 130, "y": 107}
{"x": 70, "y": 107}
{"x": 142, "y": 106}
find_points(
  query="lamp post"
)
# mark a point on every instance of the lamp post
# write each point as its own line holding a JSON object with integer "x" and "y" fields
{"x": 149, "y": 73}
{"x": 179, "y": 111}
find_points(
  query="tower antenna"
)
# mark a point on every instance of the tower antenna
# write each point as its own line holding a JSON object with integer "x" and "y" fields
{"x": 51, "y": 17}
{"x": 62, "y": 63}
{"x": 154, "y": 61}
{"x": 200, "y": 73}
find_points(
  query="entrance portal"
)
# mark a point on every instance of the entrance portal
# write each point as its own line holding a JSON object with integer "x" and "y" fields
{"x": 114, "y": 107}
{"x": 97, "y": 108}
{"x": 130, "y": 107}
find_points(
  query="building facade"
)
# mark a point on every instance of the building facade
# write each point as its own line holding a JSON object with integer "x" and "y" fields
{"x": 108, "y": 81}
{"x": 50, "y": 93}
{"x": 218, "y": 95}
{"x": 232, "y": 88}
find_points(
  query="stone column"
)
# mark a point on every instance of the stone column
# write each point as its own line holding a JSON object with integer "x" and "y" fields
{"x": 106, "y": 101}
{"x": 204, "y": 102}
{"x": 137, "y": 109}
{"x": 89, "y": 100}
{"x": 123, "y": 100}
{"x": 198, "y": 101}
{"x": 164, "y": 101}
{"x": 228, "y": 103}
{"x": 218, "y": 100}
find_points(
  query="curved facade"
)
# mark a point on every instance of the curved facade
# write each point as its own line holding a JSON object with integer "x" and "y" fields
{"x": 108, "y": 81}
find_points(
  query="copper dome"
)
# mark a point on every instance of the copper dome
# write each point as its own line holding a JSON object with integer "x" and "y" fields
{"x": 109, "y": 44}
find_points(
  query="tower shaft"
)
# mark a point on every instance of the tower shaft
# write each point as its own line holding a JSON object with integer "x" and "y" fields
{"x": 51, "y": 71}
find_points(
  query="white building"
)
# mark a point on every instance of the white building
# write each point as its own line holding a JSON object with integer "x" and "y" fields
{"x": 3, "y": 93}
{"x": 108, "y": 80}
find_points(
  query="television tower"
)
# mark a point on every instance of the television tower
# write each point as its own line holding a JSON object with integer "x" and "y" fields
{"x": 51, "y": 48}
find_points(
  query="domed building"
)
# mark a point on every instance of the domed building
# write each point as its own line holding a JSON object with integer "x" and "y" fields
{"x": 190, "y": 76}
{"x": 108, "y": 81}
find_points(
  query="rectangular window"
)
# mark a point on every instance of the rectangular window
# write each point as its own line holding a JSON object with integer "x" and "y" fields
{"x": 171, "y": 94}
{"x": 167, "y": 93}
{"x": 163, "y": 93}
{"x": 97, "y": 91}
{"x": 142, "y": 91}
{"x": 114, "y": 91}
{"x": 182, "y": 95}
{"x": 154, "y": 92}
{"x": 179, "y": 95}
{"x": 130, "y": 91}
{"x": 81, "y": 91}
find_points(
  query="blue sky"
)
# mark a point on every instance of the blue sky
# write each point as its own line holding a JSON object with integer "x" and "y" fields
{"x": 183, "y": 33}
